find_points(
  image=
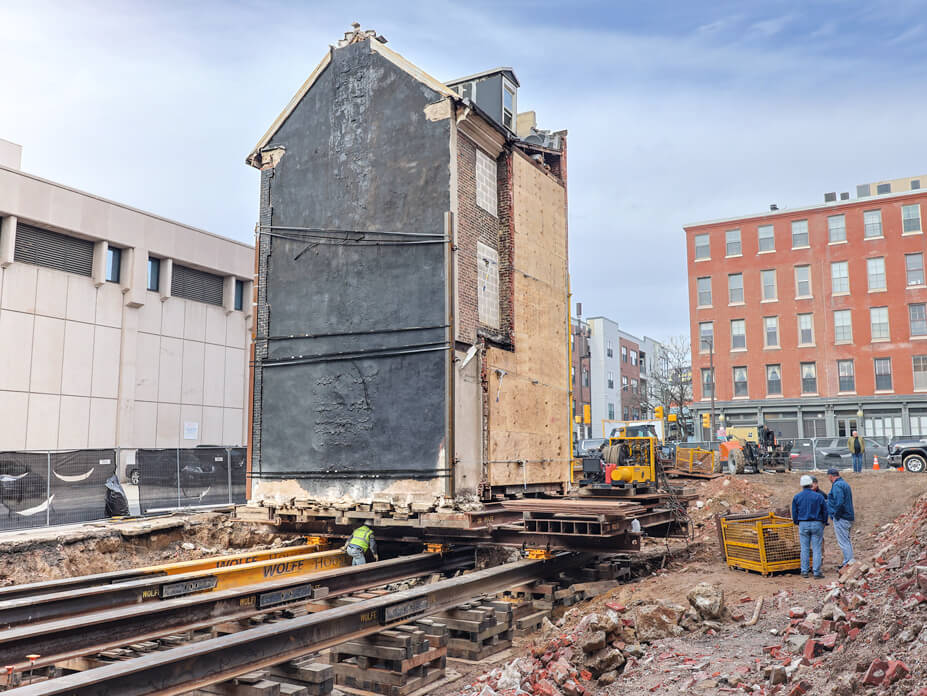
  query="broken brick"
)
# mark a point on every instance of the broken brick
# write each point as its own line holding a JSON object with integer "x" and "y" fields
{"x": 812, "y": 650}
{"x": 797, "y": 613}
{"x": 875, "y": 675}
{"x": 800, "y": 688}
{"x": 829, "y": 641}
{"x": 896, "y": 670}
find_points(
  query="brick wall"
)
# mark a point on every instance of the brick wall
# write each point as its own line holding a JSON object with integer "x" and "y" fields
{"x": 477, "y": 225}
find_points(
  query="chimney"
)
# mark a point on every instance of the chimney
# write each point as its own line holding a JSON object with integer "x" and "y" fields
{"x": 579, "y": 310}
{"x": 830, "y": 197}
{"x": 773, "y": 206}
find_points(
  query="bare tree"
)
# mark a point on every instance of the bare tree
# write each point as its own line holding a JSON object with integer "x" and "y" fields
{"x": 670, "y": 383}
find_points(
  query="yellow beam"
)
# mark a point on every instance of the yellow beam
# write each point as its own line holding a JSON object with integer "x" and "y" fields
{"x": 231, "y": 560}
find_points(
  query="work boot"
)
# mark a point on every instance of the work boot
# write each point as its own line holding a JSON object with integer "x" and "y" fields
{"x": 804, "y": 575}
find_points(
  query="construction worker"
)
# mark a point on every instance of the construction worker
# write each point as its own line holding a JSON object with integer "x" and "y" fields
{"x": 361, "y": 540}
{"x": 840, "y": 507}
{"x": 809, "y": 512}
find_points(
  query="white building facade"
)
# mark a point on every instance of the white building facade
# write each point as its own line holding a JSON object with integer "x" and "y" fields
{"x": 118, "y": 328}
{"x": 605, "y": 373}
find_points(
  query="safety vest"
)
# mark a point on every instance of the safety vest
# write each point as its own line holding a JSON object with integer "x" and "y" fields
{"x": 361, "y": 537}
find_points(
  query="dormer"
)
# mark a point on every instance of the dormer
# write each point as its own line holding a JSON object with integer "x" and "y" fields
{"x": 494, "y": 91}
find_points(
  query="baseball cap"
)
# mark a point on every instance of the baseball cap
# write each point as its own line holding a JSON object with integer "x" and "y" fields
{"x": 805, "y": 481}
{"x": 833, "y": 472}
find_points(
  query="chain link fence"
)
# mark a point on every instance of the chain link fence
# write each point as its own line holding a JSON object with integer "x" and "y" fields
{"x": 38, "y": 489}
{"x": 200, "y": 477}
{"x": 816, "y": 453}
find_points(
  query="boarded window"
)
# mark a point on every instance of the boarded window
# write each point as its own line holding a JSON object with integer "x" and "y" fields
{"x": 488, "y": 296}
{"x": 192, "y": 284}
{"x": 486, "y": 182}
{"x": 53, "y": 250}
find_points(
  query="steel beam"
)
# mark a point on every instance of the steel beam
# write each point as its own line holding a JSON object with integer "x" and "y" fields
{"x": 93, "y": 632}
{"x": 197, "y": 665}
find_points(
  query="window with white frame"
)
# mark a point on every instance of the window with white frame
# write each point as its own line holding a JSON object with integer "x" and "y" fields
{"x": 611, "y": 379}
{"x": 706, "y": 335}
{"x": 488, "y": 289}
{"x": 740, "y": 381}
{"x": 609, "y": 350}
{"x": 883, "y": 374}
{"x": 840, "y": 277}
{"x": 914, "y": 268}
{"x": 878, "y": 323}
{"x": 702, "y": 247}
{"x": 768, "y": 280}
{"x": 634, "y": 388}
{"x": 910, "y": 218}
{"x": 836, "y": 229}
{"x": 846, "y": 376}
{"x": 802, "y": 281}
{"x": 843, "y": 326}
{"x": 508, "y": 104}
{"x": 872, "y": 224}
{"x": 809, "y": 378}
{"x": 805, "y": 329}
{"x": 708, "y": 382}
{"x": 732, "y": 243}
{"x": 917, "y": 316}
{"x": 771, "y": 332}
{"x": 735, "y": 288}
{"x": 624, "y": 383}
{"x": 703, "y": 286}
{"x": 634, "y": 357}
{"x": 738, "y": 334}
{"x": 800, "y": 234}
{"x": 875, "y": 270}
{"x": 486, "y": 196}
{"x": 773, "y": 380}
{"x": 624, "y": 354}
{"x": 611, "y": 411}
{"x": 765, "y": 238}
{"x": 920, "y": 372}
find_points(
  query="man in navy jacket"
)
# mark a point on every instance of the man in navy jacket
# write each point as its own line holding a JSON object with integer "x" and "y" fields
{"x": 840, "y": 507}
{"x": 809, "y": 512}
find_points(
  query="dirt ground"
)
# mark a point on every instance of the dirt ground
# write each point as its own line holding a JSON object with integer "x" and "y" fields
{"x": 693, "y": 662}
{"x": 131, "y": 544}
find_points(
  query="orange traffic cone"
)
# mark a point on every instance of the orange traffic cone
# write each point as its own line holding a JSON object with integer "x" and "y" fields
{"x": 875, "y": 463}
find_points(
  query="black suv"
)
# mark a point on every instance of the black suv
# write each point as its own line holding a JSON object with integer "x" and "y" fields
{"x": 908, "y": 451}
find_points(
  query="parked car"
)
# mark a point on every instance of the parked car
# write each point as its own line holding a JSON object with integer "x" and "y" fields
{"x": 833, "y": 452}
{"x": 908, "y": 451}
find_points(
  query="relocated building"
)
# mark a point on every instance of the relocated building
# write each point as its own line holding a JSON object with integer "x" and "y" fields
{"x": 118, "y": 328}
{"x": 815, "y": 318}
{"x": 412, "y": 304}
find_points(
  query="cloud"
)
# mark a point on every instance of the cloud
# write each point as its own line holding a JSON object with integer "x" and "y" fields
{"x": 771, "y": 27}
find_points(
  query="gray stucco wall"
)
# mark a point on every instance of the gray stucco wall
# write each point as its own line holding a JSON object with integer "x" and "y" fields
{"x": 361, "y": 157}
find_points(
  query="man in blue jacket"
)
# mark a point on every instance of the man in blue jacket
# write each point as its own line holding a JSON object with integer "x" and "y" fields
{"x": 840, "y": 507}
{"x": 809, "y": 512}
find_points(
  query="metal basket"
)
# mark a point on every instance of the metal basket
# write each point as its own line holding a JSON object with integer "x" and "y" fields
{"x": 695, "y": 461}
{"x": 765, "y": 543}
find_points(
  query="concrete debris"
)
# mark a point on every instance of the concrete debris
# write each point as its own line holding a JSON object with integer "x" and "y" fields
{"x": 707, "y": 600}
{"x": 658, "y": 621}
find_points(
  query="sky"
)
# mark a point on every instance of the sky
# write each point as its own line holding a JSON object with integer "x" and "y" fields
{"x": 677, "y": 112}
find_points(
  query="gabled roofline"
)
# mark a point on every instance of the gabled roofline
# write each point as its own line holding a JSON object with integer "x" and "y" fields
{"x": 478, "y": 75}
{"x": 376, "y": 47}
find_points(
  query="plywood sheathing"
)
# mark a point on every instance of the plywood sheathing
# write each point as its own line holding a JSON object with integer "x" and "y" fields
{"x": 529, "y": 414}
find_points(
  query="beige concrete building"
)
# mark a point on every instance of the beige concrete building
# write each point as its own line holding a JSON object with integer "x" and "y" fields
{"x": 118, "y": 328}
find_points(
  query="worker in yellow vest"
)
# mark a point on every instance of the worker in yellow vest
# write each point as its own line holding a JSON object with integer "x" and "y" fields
{"x": 362, "y": 540}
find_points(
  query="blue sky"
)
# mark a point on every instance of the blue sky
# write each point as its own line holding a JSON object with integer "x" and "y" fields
{"x": 677, "y": 111}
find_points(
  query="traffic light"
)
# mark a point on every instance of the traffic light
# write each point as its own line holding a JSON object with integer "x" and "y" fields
{"x": 671, "y": 418}
{"x": 658, "y": 413}
{"x": 706, "y": 420}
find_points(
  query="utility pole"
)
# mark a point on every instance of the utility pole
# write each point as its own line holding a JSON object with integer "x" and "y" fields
{"x": 711, "y": 363}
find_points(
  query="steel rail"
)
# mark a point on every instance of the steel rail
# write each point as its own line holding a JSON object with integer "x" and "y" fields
{"x": 14, "y": 612}
{"x": 80, "y": 581}
{"x": 88, "y": 633}
{"x": 194, "y": 666}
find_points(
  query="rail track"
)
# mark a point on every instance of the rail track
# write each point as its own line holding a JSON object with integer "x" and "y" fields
{"x": 197, "y": 665}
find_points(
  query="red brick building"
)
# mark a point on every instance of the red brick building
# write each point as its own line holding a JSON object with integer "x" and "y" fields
{"x": 815, "y": 316}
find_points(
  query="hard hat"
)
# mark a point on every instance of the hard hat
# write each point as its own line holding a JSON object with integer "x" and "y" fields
{"x": 805, "y": 481}
{"x": 368, "y": 523}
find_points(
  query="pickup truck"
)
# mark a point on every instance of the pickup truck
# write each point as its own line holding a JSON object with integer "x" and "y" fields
{"x": 910, "y": 452}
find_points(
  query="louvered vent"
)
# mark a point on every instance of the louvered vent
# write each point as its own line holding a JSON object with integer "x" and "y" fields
{"x": 196, "y": 285}
{"x": 52, "y": 250}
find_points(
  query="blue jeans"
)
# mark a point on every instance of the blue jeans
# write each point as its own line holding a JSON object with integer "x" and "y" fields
{"x": 811, "y": 537}
{"x": 842, "y": 532}
{"x": 357, "y": 554}
{"x": 857, "y": 462}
